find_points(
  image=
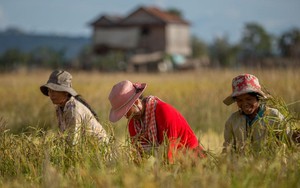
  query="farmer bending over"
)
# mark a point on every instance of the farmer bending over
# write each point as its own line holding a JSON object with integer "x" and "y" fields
{"x": 74, "y": 115}
{"x": 150, "y": 120}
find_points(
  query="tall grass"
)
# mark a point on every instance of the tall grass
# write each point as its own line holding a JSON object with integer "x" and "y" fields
{"x": 32, "y": 154}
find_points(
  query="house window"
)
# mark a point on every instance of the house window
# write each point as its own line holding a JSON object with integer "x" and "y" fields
{"x": 145, "y": 31}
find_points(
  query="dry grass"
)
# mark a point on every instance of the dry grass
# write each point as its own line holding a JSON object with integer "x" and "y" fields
{"x": 38, "y": 158}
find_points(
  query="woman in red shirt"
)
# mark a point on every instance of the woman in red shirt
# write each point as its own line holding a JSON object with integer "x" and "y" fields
{"x": 150, "y": 120}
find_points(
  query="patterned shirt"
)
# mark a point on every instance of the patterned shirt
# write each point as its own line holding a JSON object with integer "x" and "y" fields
{"x": 76, "y": 119}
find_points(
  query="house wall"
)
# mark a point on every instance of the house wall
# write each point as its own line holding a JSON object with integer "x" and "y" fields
{"x": 178, "y": 39}
{"x": 131, "y": 38}
{"x": 154, "y": 41}
{"x": 145, "y": 33}
{"x": 116, "y": 37}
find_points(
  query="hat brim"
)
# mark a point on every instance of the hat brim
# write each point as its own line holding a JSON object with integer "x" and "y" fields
{"x": 55, "y": 87}
{"x": 116, "y": 114}
{"x": 230, "y": 99}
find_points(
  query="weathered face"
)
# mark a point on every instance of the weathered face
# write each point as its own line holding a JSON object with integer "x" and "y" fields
{"x": 248, "y": 104}
{"x": 135, "y": 111}
{"x": 58, "y": 97}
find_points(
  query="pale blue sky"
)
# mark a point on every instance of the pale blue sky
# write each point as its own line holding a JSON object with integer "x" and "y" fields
{"x": 209, "y": 18}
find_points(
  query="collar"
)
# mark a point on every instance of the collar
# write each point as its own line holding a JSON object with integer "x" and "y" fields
{"x": 259, "y": 115}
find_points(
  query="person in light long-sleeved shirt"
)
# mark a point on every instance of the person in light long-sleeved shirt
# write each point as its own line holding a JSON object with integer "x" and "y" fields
{"x": 253, "y": 119}
{"x": 75, "y": 116}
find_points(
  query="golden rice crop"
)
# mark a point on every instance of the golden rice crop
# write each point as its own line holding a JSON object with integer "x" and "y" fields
{"x": 32, "y": 154}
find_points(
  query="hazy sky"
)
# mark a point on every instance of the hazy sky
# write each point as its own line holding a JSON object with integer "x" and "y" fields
{"x": 209, "y": 18}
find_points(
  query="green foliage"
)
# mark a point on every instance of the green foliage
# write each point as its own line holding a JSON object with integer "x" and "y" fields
{"x": 199, "y": 48}
{"x": 47, "y": 58}
{"x": 175, "y": 11}
{"x": 256, "y": 42}
{"x": 256, "y": 48}
{"x": 41, "y": 57}
{"x": 222, "y": 53}
{"x": 289, "y": 43}
{"x": 12, "y": 59}
{"x": 109, "y": 62}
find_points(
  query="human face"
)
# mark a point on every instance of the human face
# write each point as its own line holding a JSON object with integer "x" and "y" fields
{"x": 135, "y": 111}
{"x": 248, "y": 104}
{"x": 58, "y": 97}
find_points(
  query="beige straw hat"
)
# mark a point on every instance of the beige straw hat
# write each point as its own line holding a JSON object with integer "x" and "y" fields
{"x": 59, "y": 80}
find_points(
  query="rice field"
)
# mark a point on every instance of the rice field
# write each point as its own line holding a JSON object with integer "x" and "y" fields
{"x": 32, "y": 154}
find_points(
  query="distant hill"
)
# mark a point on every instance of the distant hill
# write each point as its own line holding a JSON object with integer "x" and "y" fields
{"x": 26, "y": 42}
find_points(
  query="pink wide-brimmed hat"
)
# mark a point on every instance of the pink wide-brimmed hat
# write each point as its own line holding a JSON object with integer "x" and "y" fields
{"x": 242, "y": 84}
{"x": 122, "y": 97}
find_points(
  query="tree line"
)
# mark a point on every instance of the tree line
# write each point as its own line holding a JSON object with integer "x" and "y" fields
{"x": 257, "y": 47}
